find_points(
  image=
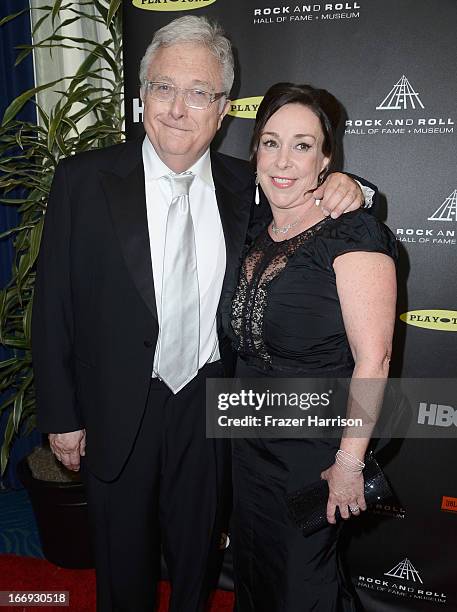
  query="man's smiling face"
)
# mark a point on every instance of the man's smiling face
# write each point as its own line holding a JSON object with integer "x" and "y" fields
{"x": 180, "y": 135}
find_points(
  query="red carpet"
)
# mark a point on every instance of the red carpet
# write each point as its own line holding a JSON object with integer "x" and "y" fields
{"x": 29, "y": 574}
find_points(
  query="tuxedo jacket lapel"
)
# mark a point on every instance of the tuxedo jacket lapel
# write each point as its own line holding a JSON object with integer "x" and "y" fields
{"x": 234, "y": 210}
{"x": 234, "y": 223}
{"x": 234, "y": 197}
{"x": 125, "y": 193}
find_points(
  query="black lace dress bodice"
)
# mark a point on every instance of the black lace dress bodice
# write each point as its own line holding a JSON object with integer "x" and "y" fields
{"x": 286, "y": 317}
{"x": 286, "y": 321}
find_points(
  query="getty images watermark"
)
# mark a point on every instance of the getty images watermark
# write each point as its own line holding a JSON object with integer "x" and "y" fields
{"x": 256, "y": 401}
{"x": 331, "y": 407}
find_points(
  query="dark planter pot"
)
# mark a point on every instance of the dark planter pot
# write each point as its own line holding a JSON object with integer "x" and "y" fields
{"x": 60, "y": 510}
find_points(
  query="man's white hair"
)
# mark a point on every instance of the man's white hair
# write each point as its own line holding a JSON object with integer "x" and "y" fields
{"x": 196, "y": 30}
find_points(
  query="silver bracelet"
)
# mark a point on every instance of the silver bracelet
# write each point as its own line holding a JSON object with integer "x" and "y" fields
{"x": 348, "y": 461}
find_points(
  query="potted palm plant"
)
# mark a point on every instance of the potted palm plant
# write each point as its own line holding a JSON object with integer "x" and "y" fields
{"x": 87, "y": 113}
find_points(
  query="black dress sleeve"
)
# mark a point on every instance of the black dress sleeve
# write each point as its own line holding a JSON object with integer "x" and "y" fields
{"x": 356, "y": 231}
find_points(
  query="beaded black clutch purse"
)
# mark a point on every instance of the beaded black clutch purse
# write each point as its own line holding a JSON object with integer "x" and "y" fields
{"x": 308, "y": 506}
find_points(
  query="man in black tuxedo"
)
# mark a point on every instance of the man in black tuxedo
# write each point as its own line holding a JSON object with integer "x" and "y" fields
{"x": 120, "y": 364}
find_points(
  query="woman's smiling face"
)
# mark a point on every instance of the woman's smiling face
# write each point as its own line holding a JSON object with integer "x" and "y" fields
{"x": 289, "y": 156}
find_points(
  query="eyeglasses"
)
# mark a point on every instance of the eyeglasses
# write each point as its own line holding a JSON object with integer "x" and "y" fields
{"x": 193, "y": 98}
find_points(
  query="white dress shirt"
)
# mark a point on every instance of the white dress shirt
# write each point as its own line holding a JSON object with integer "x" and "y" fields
{"x": 209, "y": 239}
{"x": 368, "y": 194}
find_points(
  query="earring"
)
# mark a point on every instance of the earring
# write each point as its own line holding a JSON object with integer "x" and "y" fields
{"x": 257, "y": 193}
{"x": 322, "y": 176}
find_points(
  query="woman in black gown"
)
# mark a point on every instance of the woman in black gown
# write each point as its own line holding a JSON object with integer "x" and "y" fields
{"x": 315, "y": 297}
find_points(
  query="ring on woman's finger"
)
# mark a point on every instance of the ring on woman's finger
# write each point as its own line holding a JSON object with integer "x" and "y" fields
{"x": 354, "y": 509}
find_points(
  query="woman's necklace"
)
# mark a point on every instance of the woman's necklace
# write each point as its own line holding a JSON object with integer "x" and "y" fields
{"x": 285, "y": 228}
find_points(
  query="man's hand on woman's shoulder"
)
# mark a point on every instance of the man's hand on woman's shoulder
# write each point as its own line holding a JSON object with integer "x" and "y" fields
{"x": 338, "y": 194}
